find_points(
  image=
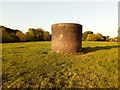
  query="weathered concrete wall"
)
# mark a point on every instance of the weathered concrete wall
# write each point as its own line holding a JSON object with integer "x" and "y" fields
{"x": 66, "y": 37}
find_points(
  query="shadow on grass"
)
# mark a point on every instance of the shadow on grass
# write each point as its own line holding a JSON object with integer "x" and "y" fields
{"x": 91, "y": 49}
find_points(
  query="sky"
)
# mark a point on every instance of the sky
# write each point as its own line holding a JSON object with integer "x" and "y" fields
{"x": 99, "y": 17}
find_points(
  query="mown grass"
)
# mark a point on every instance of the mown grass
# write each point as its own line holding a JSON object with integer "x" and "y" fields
{"x": 34, "y": 65}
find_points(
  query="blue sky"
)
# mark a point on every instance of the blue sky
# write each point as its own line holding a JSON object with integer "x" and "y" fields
{"x": 99, "y": 17}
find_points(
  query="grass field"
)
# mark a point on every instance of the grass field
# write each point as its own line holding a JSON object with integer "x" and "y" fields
{"x": 33, "y": 65}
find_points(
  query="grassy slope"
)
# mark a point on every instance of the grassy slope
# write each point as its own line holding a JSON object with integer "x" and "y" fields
{"x": 32, "y": 64}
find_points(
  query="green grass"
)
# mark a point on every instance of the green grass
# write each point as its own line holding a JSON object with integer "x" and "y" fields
{"x": 34, "y": 65}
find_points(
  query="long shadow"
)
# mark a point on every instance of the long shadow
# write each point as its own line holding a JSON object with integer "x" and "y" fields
{"x": 91, "y": 49}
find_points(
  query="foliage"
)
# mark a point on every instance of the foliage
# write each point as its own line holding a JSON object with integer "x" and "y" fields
{"x": 106, "y": 38}
{"x": 95, "y": 37}
{"x": 23, "y": 37}
{"x": 84, "y": 35}
{"x": 46, "y": 36}
{"x": 99, "y": 37}
{"x": 33, "y": 65}
{"x": 90, "y": 36}
{"x": 9, "y": 35}
{"x": 31, "y": 34}
{"x": 38, "y": 35}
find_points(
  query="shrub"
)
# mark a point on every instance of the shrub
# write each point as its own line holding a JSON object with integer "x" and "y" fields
{"x": 23, "y": 37}
{"x": 91, "y": 37}
{"x": 84, "y": 35}
{"x": 46, "y": 36}
{"x": 95, "y": 37}
{"x": 9, "y": 35}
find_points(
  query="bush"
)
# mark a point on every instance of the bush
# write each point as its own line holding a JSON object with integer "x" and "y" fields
{"x": 35, "y": 34}
{"x": 91, "y": 37}
{"x": 46, "y": 36}
{"x": 38, "y": 35}
{"x": 107, "y": 38}
{"x": 9, "y": 35}
{"x": 23, "y": 37}
{"x": 94, "y": 37}
{"x": 99, "y": 37}
{"x": 31, "y": 34}
{"x": 84, "y": 35}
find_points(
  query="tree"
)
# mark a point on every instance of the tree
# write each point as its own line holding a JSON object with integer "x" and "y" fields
{"x": 31, "y": 34}
{"x": 39, "y": 34}
{"x": 9, "y": 35}
{"x": 23, "y": 37}
{"x": 46, "y": 36}
{"x": 91, "y": 37}
{"x": 35, "y": 34}
{"x": 107, "y": 38}
{"x": 84, "y": 35}
{"x": 99, "y": 37}
{"x": 95, "y": 37}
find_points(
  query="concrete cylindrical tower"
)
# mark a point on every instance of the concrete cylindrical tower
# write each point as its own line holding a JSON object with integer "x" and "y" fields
{"x": 66, "y": 37}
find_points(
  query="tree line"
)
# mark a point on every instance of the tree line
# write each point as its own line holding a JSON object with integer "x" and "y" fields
{"x": 39, "y": 34}
{"x": 11, "y": 35}
{"x": 90, "y": 36}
